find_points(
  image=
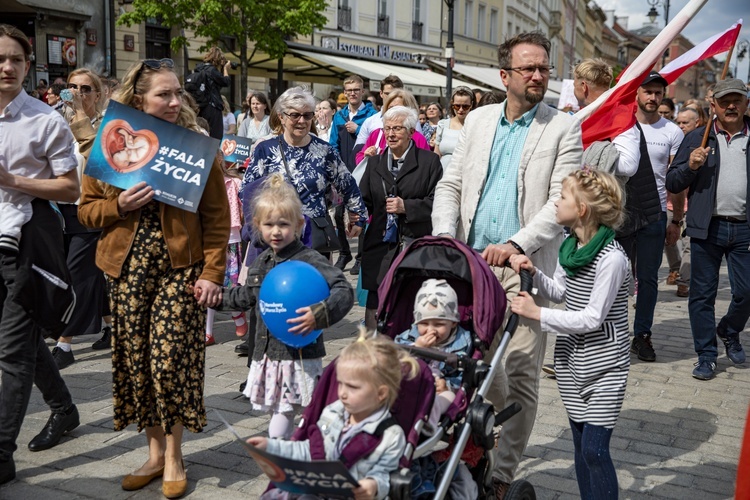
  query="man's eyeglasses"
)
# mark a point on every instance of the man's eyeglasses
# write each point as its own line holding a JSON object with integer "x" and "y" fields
{"x": 397, "y": 129}
{"x": 464, "y": 107}
{"x": 529, "y": 71}
{"x": 296, "y": 116}
{"x": 154, "y": 64}
{"x": 84, "y": 89}
{"x": 352, "y": 91}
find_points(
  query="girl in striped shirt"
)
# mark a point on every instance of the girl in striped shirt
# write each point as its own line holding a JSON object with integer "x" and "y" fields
{"x": 591, "y": 350}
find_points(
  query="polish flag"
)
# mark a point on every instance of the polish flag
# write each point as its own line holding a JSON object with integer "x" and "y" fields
{"x": 614, "y": 111}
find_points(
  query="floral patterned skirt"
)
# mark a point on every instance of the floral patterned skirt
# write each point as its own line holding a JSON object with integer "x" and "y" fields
{"x": 158, "y": 352}
{"x": 276, "y": 385}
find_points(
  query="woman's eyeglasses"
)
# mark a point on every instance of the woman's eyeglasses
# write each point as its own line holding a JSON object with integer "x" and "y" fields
{"x": 153, "y": 64}
{"x": 464, "y": 107}
{"x": 296, "y": 116}
{"x": 397, "y": 129}
{"x": 84, "y": 89}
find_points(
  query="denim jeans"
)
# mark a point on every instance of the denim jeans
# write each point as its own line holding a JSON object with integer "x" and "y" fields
{"x": 724, "y": 240}
{"x": 595, "y": 472}
{"x": 645, "y": 247}
{"x": 24, "y": 360}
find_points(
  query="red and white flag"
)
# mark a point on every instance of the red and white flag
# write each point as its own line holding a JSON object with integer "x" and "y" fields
{"x": 614, "y": 111}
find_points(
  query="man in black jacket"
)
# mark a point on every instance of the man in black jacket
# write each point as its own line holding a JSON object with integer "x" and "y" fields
{"x": 717, "y": 223}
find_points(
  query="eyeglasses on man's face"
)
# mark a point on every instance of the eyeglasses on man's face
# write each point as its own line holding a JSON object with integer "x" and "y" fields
{"x": 529, "y": 71}
{"x": 296, "y": 116}
{"x": 352, "y": 91}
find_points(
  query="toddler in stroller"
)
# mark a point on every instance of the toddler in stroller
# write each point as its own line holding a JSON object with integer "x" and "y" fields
{"x": 436, "y": 326}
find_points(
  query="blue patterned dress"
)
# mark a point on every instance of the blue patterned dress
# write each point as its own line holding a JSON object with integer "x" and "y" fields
{"x": 315, "y": 169}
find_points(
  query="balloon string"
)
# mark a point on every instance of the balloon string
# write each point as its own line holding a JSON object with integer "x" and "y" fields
{"x": 304, "y": 377}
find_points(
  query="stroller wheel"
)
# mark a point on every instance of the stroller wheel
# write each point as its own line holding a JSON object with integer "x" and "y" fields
{"x": 520, "y": 490}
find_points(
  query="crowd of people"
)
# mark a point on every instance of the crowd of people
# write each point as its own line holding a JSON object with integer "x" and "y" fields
{"x": 503, "y": 172}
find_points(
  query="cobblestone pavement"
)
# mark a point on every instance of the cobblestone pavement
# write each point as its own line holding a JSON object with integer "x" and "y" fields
{"x": 677, "y": 437}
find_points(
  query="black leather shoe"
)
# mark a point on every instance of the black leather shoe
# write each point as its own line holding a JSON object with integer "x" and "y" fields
{"x": 105, "y": 342}
{"x": 342, "y": 261}
{"x": 63, "y": 359}
{"x": 355, "y": 268}
{"x": 57, "y": 425}
{"x": 241, "y": 350}
{"x": 7, "y": 471}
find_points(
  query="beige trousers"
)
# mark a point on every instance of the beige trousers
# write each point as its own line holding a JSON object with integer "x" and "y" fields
{"x": 516, "y": 381}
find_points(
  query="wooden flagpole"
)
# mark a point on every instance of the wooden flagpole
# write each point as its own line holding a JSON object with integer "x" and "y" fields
{"x": 723, "y": 76}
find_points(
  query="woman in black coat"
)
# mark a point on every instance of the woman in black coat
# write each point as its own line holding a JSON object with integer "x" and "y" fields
{"x": 401, "y": 183}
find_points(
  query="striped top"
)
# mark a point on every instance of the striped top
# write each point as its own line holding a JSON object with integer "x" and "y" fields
{"x": 592, "y": 357}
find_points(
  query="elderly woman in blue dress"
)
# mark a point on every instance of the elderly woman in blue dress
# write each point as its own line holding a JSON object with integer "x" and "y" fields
{"x": 313, "y": 165}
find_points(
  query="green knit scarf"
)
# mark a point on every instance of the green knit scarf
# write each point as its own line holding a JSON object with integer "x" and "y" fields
{"x": 573, "y": 258}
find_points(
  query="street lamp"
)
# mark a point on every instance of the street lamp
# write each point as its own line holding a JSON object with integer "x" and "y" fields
{"x": 653, "y": 14}
{"x": 449, "y": 48}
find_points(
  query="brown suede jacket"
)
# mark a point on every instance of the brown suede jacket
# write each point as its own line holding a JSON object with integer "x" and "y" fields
{"x": 191, "y": 237}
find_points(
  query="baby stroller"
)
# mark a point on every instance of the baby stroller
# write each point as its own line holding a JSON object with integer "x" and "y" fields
{"x": 482, "y": 306}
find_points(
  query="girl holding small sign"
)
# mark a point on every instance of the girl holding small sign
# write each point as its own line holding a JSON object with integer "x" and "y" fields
{"x": 282, "y": 378}
{"x": 369, "y": 376}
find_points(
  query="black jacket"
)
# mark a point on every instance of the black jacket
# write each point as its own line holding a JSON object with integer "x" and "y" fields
{"x": 702, "y": 182}
{"x": 43, "y": 286}
{"x": 329, "y": 312}
{"x": 415, "y": 184}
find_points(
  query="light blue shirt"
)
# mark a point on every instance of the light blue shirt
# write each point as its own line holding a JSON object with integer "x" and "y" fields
{"x": 496, "y": 219}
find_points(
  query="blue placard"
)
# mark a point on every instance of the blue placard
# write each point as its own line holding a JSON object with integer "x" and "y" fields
{"x": 132, "y": 146}
{"x": 235, "y": 148}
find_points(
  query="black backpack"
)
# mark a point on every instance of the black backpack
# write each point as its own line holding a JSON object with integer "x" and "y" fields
{"x": 199, "y": 85}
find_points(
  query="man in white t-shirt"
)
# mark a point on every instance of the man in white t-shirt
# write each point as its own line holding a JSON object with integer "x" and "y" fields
{"x": 646, "y": 227}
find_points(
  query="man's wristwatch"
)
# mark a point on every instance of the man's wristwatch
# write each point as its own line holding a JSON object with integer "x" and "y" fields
{"x": 516, "y": 246}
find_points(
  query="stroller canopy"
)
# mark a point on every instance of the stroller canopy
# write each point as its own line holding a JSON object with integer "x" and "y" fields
{"x": 481, "y": 298}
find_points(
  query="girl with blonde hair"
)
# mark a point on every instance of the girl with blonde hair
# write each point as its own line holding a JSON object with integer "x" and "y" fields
{"x": 592, "y": 355}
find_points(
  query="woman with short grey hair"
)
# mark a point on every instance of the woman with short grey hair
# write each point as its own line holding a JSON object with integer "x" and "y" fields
{"x": 309, "y": 163}
{"x": 397, "y": 187}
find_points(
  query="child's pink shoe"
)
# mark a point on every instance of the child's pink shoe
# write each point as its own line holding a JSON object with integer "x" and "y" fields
{"x": 210, "y": 340}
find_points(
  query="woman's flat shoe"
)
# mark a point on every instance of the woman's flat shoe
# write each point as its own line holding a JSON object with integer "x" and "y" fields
{"x": 132, "y": 482}
{"x": 175, "y": 489}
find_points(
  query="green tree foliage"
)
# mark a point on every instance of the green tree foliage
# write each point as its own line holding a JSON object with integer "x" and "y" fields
{"x": 267, "y": 23}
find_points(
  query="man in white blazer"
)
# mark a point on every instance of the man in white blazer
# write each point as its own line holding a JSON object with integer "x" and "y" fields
{"x": 498, "y": 195}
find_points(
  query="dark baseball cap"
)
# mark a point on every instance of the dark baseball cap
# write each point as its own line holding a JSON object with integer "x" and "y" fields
{"x": 654, "y": 77}
{"x": 729, "y": 86}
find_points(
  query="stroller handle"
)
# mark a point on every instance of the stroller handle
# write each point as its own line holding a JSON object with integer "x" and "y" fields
{"x": 526, "y": 284}
{"x": 449, "y": 359}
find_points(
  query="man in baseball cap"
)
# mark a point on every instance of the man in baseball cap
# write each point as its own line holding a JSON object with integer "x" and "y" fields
{"x": 717, "y": 223}
{"x": 647, "y": 229}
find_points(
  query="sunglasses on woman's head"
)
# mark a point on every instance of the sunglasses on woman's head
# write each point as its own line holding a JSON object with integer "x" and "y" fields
{"x": 153, "y": 64}
{"x": 85, "y": 89}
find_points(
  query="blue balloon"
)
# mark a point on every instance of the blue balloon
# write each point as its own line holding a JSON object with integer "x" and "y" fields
{"x": 287, "y": 287}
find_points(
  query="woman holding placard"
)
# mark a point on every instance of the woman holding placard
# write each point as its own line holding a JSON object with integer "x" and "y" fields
{"x": 287, "y": 364}
{"x": 155, "y": 257}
